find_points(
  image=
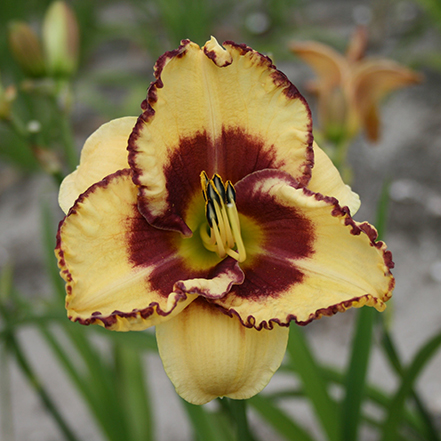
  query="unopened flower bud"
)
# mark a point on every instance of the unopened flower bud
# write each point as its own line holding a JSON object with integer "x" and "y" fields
{"x": 60, "y": 40}
{"x": 26, "y": 49}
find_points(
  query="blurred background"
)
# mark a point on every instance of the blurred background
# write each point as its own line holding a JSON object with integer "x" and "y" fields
{"x": 46, "y": 115}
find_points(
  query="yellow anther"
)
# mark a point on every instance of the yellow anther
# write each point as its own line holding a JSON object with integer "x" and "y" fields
{"x": 223, "y": 219}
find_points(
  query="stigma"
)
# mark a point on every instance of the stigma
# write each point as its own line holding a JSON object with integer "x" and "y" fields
{"x": 221, "y": 233}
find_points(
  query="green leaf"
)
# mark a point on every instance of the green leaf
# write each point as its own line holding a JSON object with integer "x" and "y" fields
{"x": 356, "y": 375}
{"x": 314, "y": 384}
{"x": 5, "y": 287}
{"x": 38, "y": 386}
{"x": 133, "y": 392}
{"x": 433, "y": 10}
{"x": 397, "y": 405}
{"x": 91, "y": 375}
{"x": 393, "y": 358}
{"x": 278, "y": 419}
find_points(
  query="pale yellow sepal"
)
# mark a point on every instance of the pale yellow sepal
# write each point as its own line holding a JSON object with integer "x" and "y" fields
{"x": 327, "y": 181}
{"x": 207, "y": 354}
{"x": 104, "y": 152}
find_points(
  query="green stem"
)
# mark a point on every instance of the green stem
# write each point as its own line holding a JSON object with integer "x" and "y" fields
{"x": 20, "y": 129}
{"x": 68, "y": 143}
{"x": 26, "y": 368}
{"x": 63, "y": 105}
{"x": 18, "y": 126}
{"x": 355, "y": 381}
{"x": 239, "y": 413}
{"x": 7, "y": 428}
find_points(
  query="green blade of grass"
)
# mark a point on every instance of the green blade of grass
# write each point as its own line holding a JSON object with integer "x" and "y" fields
{"x": 374, "y": 394}
{"x": 15, "y": 348}
{"x": 81, "y": 382}
{"x": 433, "y": 10}
{"x": 85, "y": 384}
{"x": 397, "y": 405}
{"x": 278, "y": 419}
{"x": 356, "y": 374}
{"x": 100, "y": 380}
{"x": 314, "y": 384}
{"x": 393, "y": 358}
{"x": 378, "y": 397}
{"x": 133, "y": 392}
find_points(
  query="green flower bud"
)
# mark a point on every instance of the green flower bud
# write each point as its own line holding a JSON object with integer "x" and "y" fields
{"x": 26, "y": 49}
{"x": 60, "y": 40}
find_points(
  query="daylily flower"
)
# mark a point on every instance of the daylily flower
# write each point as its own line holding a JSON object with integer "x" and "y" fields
{"x": 215, "y": 227}
{"x": 349, "y": 88}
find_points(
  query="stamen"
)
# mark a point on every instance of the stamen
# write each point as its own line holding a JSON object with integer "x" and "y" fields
{"x": 210, "y": 213}
{"x": 217, "y": 181}
{"x": 224, "y": 235}
{"x": 212, "y": 193}
{"x": 230, "y": 193}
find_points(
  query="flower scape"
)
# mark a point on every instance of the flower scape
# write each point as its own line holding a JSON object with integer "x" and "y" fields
{"x": 215, "y": 217}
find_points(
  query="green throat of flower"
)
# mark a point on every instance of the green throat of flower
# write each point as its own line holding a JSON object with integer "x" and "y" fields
{"x": 221, "y": 233}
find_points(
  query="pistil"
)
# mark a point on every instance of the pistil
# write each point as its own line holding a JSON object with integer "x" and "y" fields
{"x": 222, "y": 234}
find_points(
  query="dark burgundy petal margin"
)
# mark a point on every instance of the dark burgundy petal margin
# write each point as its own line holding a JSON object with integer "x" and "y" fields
{"x": 147, "y": 246}
{"x": 279, "y": 78}
{"x": 238, "y": 153}
{"x": 152, "y": 247}
{"x": 287, "y": 235}
{"x": 271, "y": 274}
{"x": 331, "y": 310}
{"x": 228, "y": 269}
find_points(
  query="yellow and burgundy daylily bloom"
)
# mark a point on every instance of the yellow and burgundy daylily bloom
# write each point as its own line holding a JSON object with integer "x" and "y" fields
{"x": 350, "y": 87}
{"x": 221, "y": 225}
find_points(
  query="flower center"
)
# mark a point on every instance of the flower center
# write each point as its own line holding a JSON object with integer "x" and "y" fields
{"x": 222, "y": 234}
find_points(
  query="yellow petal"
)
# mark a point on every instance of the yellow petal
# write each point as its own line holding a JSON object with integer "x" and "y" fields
{"x": 326, "y": 179}
{"x": 357, "y": 45}
{"x": 332, "y": 70}
{"x": 372, "y": 80}
{"x": 119, "y": 271}
{"x": 104, "y": 152}
{"x": 313, "y": 259}
{"x": 327, "y": 63}
{"x": 207, "y": 354}
{"x": 222, "y": 110}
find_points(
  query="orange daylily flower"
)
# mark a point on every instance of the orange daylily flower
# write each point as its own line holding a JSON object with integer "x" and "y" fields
{"x": 349, "y": 88}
